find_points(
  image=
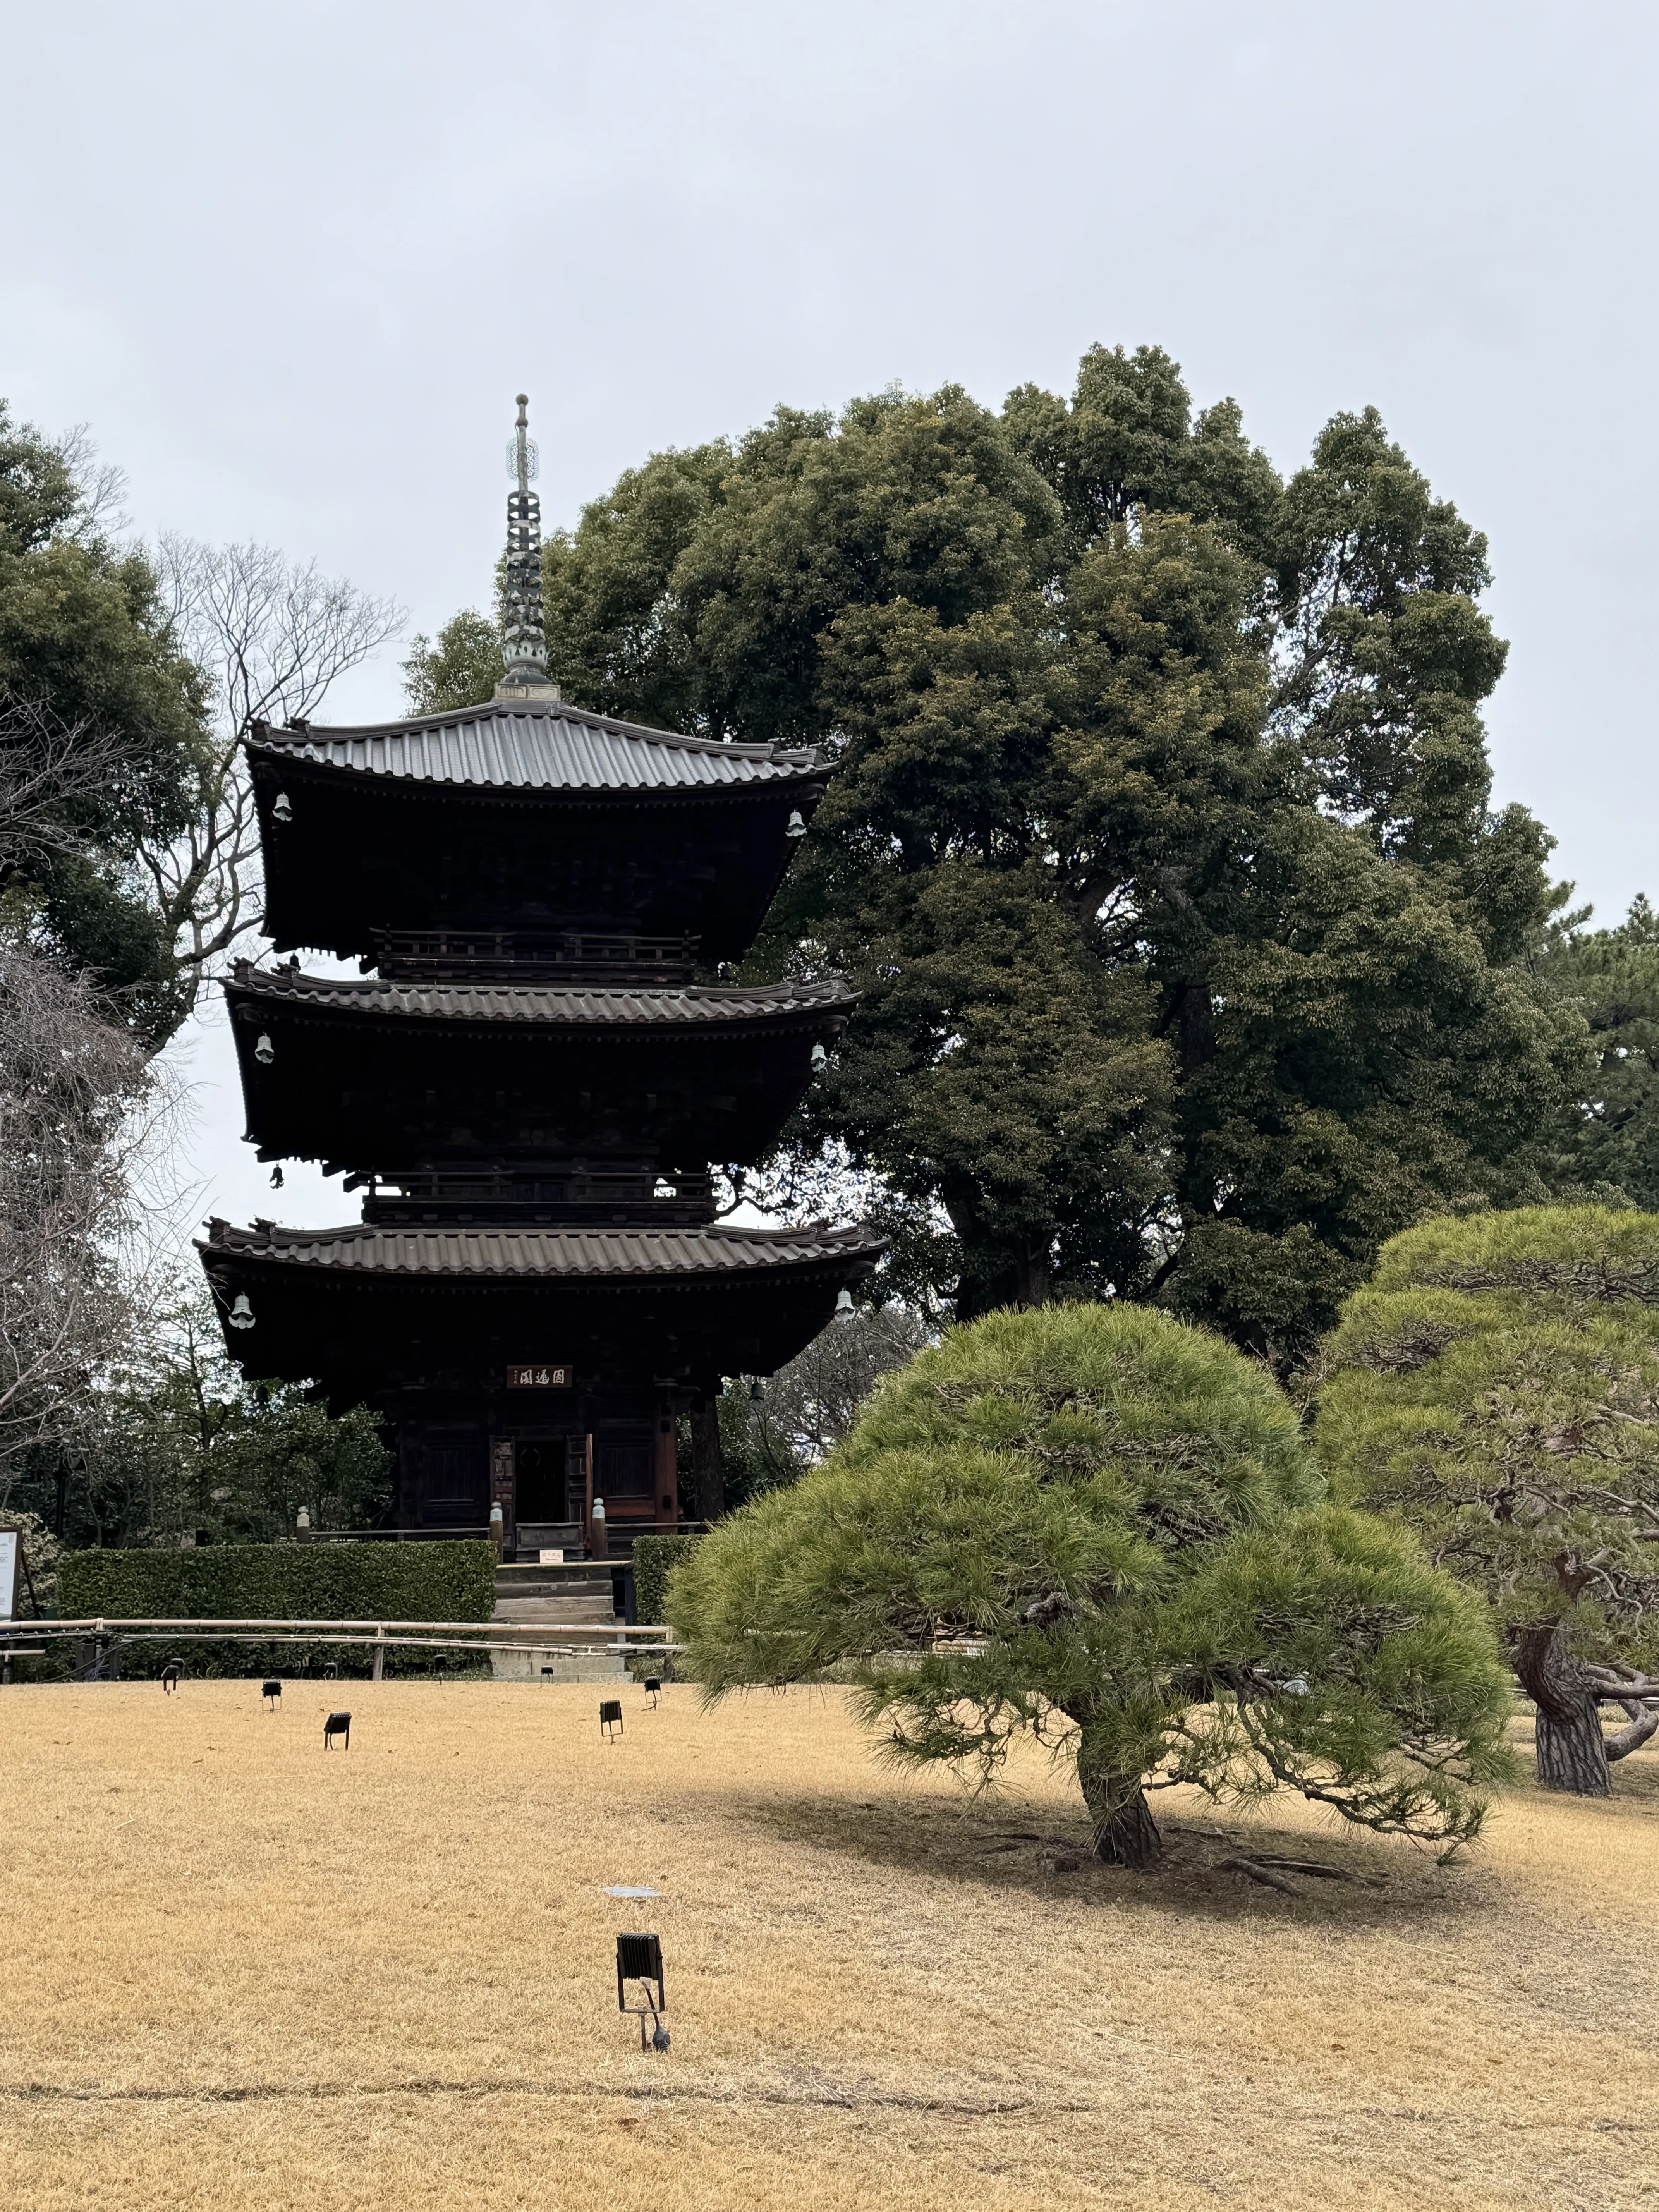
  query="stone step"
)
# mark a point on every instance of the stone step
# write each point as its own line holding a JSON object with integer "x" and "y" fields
{"x": 559, "y": 1667}
{"x": 560, "y": 1605}
{"x": 536, "y": 1582}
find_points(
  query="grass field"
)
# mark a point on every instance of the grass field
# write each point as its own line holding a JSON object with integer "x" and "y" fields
{"x": 239, "y": 1971}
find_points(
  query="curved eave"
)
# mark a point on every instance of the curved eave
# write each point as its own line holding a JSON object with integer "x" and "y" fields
{"x": 514, "y": 1260}
{"x": 544, "y": 749}
{"x": 359, "y": 1331}
{"x": 695, "y": 1016}
{"x": 801, "y": 788}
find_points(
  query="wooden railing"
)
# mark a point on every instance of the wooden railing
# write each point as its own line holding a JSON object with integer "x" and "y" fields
{"x": 624, "y": 1640}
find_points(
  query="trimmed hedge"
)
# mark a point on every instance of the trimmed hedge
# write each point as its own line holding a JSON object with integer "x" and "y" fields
{"x": 299, "y": 1582}
{"x": 655, "y": 1558}
{"x": 442, "y": 1581}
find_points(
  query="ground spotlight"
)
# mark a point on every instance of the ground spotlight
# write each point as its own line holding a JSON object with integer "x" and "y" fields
{"x": 639, "y": 1959}
{"x": 337, "y": 1724}
{"x": 653, "y": 1687}
{"x": 271, "y": 1693}
{"x": 170, "y": 1676}
{"x": 611, "y": 1717}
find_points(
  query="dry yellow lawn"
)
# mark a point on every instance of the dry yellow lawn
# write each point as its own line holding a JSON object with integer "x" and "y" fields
{"x": 241, "y": 1972}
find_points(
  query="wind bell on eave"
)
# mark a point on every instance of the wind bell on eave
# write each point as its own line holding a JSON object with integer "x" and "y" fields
{"x": 524, "y": 640}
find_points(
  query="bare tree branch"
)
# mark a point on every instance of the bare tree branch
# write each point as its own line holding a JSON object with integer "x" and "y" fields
{"x": 271, "y": 636}
{"x": 48, "y": 769}
{"x": 810, "y": 1405}
{"x": 101, "y": 487}
{"x": 72, "y": 1088}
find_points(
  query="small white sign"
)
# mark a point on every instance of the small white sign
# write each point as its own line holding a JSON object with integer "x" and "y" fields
{"x": 551, "y": 1559}
{"x": 9, "y": 1544}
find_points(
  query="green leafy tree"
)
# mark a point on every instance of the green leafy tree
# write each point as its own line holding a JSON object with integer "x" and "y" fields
{"x": 460, "y": 667}
{"x": 184, "y": 1448}
{"x": 1127, "y": 444}
{"x": 1160, "y": 846}
{"x": 1495, "y": 1388}
{"x": 128, "y": 680}
{"x": 88, "y": 652}
{"x": 621, "y": 633}
{"x": 1099, "y": 1527}
{"x": 1605, "y": 1145}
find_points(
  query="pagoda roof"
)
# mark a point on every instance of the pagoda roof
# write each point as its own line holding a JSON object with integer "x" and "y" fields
{"x": 372, "y": 1306}
{"x": 544, "y": 1005}
{"x": 515, "y": 1255}
{"x": 534, "y": 746}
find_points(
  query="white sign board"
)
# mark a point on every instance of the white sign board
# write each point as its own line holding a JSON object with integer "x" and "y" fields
{"x": 9, "y": 1543}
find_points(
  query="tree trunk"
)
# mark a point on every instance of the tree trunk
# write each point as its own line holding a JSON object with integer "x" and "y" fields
{"x": 1126, "y": 1833}
{"x": 1571, "y": 1754}
{"x": 1194, "y": 1023}
{"x": 1008, "y": 1275}
{"x": 707, "y": 1460}
{"x": 1644, "y": 1724}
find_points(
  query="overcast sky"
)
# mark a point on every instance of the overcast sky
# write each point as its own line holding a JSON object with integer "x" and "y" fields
{"x": 290, "y": 264}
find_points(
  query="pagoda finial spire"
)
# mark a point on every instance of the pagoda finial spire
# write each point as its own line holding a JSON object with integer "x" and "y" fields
{"x": 524, "y": 641}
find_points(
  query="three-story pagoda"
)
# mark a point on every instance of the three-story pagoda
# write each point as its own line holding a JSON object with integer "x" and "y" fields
{"x": 530, "y": 1081}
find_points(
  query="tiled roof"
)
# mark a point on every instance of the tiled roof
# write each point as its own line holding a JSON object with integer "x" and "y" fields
{"x": 512, "y": 1253}
{"x": 536, "y": 747}
{"x": 695, "y": 1004}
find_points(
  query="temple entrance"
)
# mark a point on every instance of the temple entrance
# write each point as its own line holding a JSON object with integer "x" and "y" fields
{"x": 538, "y": 1465}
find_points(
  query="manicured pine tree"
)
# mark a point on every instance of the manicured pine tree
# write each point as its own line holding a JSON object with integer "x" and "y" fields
{"x": 1495, "y": 1390}
{"x": 1099, "y": 1527}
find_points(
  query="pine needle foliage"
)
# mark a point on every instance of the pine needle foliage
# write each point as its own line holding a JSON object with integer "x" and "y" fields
{"x": 1496, "y": 1390}
{"x": 1098, "y": 1525}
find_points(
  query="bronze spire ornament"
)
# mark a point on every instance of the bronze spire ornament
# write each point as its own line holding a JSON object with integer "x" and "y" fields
{"x": 524, "y": 639}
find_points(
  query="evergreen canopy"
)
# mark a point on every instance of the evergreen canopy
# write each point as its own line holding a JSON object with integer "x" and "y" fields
{"x": 87, "y": 650}
{"x": 1605, "y": 1146}
{"x": 1160, "y": 848}
{"x": 1496, "y": 1388}
{"x": 1098, "y": 1525}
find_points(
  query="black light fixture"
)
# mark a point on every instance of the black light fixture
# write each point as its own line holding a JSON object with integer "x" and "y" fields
{"x": 639, "y": 1959}
{"x": 337, "y": 1724}
{"x": 270, "y": 1692}
{"x": 276, "y": 1178}
{"x": 170, "y": 1674}
{"x": 653, "y": 1687}
{"x": 611, "y": 1717}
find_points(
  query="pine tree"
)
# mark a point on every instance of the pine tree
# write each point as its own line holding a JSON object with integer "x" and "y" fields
{"x": 1495, "y": 1388}
{"x": 1098, "y": 1526}
{"x": 1605, "y": 1145}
